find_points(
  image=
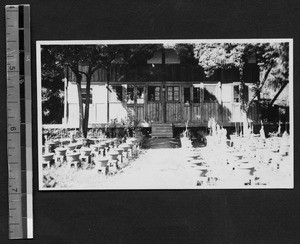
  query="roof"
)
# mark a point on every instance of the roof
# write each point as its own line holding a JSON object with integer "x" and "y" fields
{"x": 170, "y": 55}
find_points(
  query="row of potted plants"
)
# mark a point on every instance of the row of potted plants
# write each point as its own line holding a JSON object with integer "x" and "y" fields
{"x": 100, "y": 150}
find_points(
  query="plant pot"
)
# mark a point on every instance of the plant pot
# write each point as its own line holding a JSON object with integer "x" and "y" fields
{"x": 95, "y": 147}
{"x": 85, "y": 151}
{"x": 102, "y": 162}
{"x": 124, "y": 146}
{"x": 48, "y": 157}
{"x": 73, "y": 156}
{"x": 79, "y": 145}
{"x": 193, "y": 156}
{"x": 243, "y": 161}
{"x": 244, "y": 171}
{"x": 102, "y": 145}
{"x": 50, "y": 146}
{"x": 113, "y": 155}
{"x": 119, "y": 150}
{"x": 130, "y": 144}
{"x": 60, "y": 151}
{"x": 203, "y": 172}
{"x": 237, "y": 156}
{"x": 185, "y": 142}
{"x": 71, "y": 147}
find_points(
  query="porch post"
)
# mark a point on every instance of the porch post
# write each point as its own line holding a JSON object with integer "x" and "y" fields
{"x": 163, "y": 62}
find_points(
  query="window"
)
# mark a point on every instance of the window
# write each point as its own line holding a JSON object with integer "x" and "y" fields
{"x": 83, "y": 95}
{"x": 209, "y": 93}
{"x": 196, "y": 94}
{"x": 245, "y": 93}
{"x": 153, "y": 93}
{"x": 116, "y": 94}
{"x": 236, "y": 93}
{"x": 140, "y": 94}
{"x": 173, "y": 93}
{"x": 187, "y": 95}
{"x": 130, "y": 94}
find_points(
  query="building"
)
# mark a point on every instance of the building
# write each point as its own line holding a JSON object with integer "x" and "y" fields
{"x": 163, "y": 91}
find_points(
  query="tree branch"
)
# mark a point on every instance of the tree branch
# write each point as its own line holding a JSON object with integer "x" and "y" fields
{"x": 261, "y": 84}
{"x": 83, "y": 73}
{"x": 95, "y": 68}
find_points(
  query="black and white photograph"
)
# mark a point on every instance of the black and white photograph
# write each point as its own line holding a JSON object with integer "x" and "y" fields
{"x": 165, "y": 114}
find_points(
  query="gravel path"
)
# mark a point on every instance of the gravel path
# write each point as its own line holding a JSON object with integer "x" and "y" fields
{"x": 157, "y": 169}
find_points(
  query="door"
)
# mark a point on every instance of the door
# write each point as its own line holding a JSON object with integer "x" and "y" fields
{"x": 154, "y": 103}
{"x": 187, "y": 103}
{"x": 136, "y": 101}
{"x": 173, "y": 104}
{"x": 197, "y": 113}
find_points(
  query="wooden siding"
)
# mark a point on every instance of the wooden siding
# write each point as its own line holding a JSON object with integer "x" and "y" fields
{"x": 204, "y": 111}
{"x": 140, "y": 112}
{"x": 173, "y": 112}
{"x": 154, "y": 111}
{"x": 137, "y": 110}
{"x": 224, "y": 110}
{"x": 187, "y": 112}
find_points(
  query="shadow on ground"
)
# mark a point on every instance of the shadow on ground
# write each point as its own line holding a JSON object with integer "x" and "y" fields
{"x": 155, "y": 142}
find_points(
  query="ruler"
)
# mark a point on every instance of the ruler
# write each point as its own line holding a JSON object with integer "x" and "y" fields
{"x": 19, "y": 124}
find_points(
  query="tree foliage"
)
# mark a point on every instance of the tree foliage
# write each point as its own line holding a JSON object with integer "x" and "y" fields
{"x": 272, "y": 59}
{"x": 92, "y": 57}
{"x": 52, "y": 91}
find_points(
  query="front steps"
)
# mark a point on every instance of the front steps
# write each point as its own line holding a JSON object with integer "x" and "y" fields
{"x": 162, "y": 130}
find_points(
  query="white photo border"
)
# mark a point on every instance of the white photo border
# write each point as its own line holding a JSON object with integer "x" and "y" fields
{"x": 162, "y": 41}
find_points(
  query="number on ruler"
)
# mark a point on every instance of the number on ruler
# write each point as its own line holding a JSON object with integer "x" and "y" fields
{"x": 13, "y": 128}
{"x": 12, "y": 68}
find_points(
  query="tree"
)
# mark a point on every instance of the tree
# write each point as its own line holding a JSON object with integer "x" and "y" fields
{"x": 85, "y": 60}
{"x": 74, "y": 58}
{"x": 52, "y": 91}
{"x": 272, "y": 59}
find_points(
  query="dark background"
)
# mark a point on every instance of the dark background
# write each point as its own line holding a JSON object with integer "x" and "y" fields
{"x": 190, "y": 216}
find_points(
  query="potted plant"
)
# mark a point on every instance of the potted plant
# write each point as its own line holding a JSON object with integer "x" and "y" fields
{"x": 85, "y": 151}
{"x": 184, "y": 139}
{"x": 47, "y": 158}
{"x": 101, "y": 164}
{"x": 60, "y": 151}
{"x": 73, "y": 156}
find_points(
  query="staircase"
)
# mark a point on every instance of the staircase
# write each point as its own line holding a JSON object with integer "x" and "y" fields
{"x": 162, "y": 130}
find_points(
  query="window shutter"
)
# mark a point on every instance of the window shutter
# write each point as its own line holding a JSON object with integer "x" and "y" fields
{"x": 227, "y": 93}
{"x": 72, "y": 93}
{"x": 99, "y": 94}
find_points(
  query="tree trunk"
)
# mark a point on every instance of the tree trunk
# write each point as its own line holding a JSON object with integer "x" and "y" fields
{"x": 78, "y": 83}
{"x": 108, "y": 80}
{"x": 243, "y": 103}
{"x": 245, "y": 123}
{"x": 87, "y": 107}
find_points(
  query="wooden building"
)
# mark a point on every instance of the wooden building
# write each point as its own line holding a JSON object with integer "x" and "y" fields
{"x": 163, "y": 93}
